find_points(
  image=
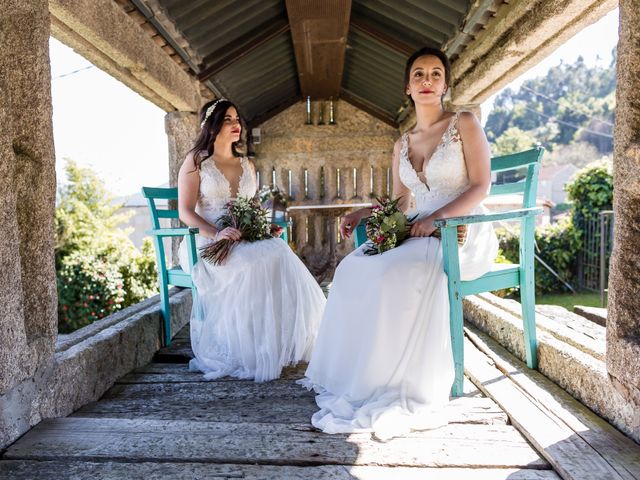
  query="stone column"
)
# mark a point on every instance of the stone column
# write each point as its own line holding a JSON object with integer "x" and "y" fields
{"x": 181, "y": 129}
{"x": 623, "y": 321}
{"x": 28, "y": 298}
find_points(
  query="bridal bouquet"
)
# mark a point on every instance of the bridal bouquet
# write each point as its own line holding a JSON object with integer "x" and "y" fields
{"x": 387, "y": 227}
{"x": 246, "y": 215}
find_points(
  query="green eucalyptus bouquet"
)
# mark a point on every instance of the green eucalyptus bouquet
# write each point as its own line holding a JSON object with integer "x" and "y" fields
{"x": 247, "y": 215}
{"x": 387, "y": 227}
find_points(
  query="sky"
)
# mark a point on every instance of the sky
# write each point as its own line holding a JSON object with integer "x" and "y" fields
{"x": 102, "y": 124}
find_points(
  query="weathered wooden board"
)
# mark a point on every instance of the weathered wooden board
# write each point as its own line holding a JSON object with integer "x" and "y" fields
{"x": 571, "y": 457}
{"x": 176, "y": 353}
{"x": 23, "y": 470}
{"x": 184, "y": 404}
{"x": 456, "y": 445}
{"x": 179, "y": 372}
{"x": 622, "y": 453}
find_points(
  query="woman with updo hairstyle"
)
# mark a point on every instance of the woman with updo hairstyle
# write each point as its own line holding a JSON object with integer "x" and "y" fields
{"x": 260, "y": 310}
{"x": 383, "y": 360}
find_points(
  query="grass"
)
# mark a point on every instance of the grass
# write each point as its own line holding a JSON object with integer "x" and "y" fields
{"x": 568, "y": 300}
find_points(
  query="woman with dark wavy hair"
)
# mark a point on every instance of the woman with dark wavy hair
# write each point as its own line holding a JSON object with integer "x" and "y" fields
{"x": 260, "y": 310}
{"x": 383, "y": 359}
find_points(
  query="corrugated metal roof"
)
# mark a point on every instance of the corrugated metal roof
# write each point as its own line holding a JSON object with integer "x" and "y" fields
{"x": 215, "y": 26}
{"x": 416, "y": 22}
{"x": 263, "y": 79}
{"x": 374, "y": 72}
{"x": 382, "y": 35}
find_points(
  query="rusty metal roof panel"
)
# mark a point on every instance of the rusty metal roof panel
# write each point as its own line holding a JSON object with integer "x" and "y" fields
{"x": 374, "y": 72}
{"x": 263, "y": 79}
{"x": 417, "y": 23}
{"x": 243, "y": 49}
{"x": 213, "y": 27}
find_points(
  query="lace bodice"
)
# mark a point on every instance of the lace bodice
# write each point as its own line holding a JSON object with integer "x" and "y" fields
{"x": 215, "y": 190}
{"x": 445, "y": 173}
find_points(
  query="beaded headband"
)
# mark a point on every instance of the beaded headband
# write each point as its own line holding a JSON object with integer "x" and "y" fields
{"x": 210, "y": 110}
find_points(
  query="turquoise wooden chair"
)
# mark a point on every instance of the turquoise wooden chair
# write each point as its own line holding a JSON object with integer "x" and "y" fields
{"x": 502, "y": 275}
{"x": 169, "y": 276}
{"x": 175, "y": 276}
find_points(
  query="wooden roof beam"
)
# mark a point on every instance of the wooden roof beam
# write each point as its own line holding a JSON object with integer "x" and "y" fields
{"x": 319, "y": 30}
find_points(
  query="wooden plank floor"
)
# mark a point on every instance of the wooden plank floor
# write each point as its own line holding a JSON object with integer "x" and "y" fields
{"x": 163, "y": 421}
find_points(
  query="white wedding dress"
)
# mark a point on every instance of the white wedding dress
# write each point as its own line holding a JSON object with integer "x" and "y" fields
{"x": 383, "y": 360}
{"x": 259, "y": 311}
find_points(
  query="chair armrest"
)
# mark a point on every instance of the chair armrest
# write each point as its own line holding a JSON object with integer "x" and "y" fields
{"x": 172, "y": 232}
{"x": 489, "y": 217}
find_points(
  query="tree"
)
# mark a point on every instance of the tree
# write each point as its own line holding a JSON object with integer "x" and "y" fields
{"x": 98, "y": 268}
{"x": 571, "y": 103}
{"x": 513, "y": 140}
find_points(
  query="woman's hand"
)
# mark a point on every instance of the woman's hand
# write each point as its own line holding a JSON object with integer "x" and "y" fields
{"x": 423, "y": 227}
{"x": 350, "y": 221}
{"x": 228, "y": 233}
{"x": 276, "y": 230}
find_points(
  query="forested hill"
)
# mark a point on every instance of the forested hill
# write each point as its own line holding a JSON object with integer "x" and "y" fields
{"x": 570, "y": 111}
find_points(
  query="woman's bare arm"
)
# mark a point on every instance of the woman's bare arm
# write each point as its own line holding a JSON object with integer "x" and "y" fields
{"x": 478, "y": 160}
{"x": 400, "y": 190}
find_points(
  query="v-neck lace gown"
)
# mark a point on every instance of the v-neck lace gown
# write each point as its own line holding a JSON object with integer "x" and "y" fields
{"x": 383, "y": 360}
{"x": 260, "y": 310}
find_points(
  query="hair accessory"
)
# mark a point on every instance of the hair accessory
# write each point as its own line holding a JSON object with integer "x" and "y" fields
{"x": 210, "y": 110}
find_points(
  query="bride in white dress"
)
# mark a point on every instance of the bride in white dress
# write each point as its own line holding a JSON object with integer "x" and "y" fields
{"x": 260, "y": 310}
{"x": 383, "y": 360}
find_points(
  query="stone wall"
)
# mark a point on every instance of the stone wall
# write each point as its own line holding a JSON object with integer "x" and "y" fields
{"x": 28, "y": 299}
{"x": 104, "y": 34}
{"x": 182, "y": 129}
{"x": 358, "y": 144}
{"x": 87, "y": 363}
{"x": 623, "y": 321}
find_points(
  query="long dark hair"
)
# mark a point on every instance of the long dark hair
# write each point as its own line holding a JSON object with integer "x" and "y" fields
{"x": 210, "y": 129}
{"x": 421, "y": 53}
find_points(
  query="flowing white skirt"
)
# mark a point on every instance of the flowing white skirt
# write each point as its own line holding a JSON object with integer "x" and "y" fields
{"x": 383, "y": 360}
{"x": 255, "y": 314}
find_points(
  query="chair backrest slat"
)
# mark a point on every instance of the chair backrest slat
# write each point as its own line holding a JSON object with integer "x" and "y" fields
{"x": 156, "y": 193}
{"x": 162, "y": 193}
{"x": 166, "y": 213}
{"x": 529, "y": 159}
{"x": 507, "y": 188}
{"x": 516, "y": 160}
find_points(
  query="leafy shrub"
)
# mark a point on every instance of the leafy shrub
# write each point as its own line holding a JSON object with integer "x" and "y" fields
{"x": 89, "y": 288}
{"x": 557, "y": 245}
{"x": 99, "y": 270}
{"x": 591, "y": 191}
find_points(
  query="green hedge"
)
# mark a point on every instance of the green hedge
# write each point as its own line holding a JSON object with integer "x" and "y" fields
{"x": 89, "y": 288}
{"x": 591, "y": 191}
{"x": 557, "y": 245}
{"x": 99, "y": 270}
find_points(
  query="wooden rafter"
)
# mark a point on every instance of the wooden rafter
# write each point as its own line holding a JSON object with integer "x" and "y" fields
{"x": 245, "y": 45}
{"x": 368, "y": 107}
{"x": 319, "y": 31}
